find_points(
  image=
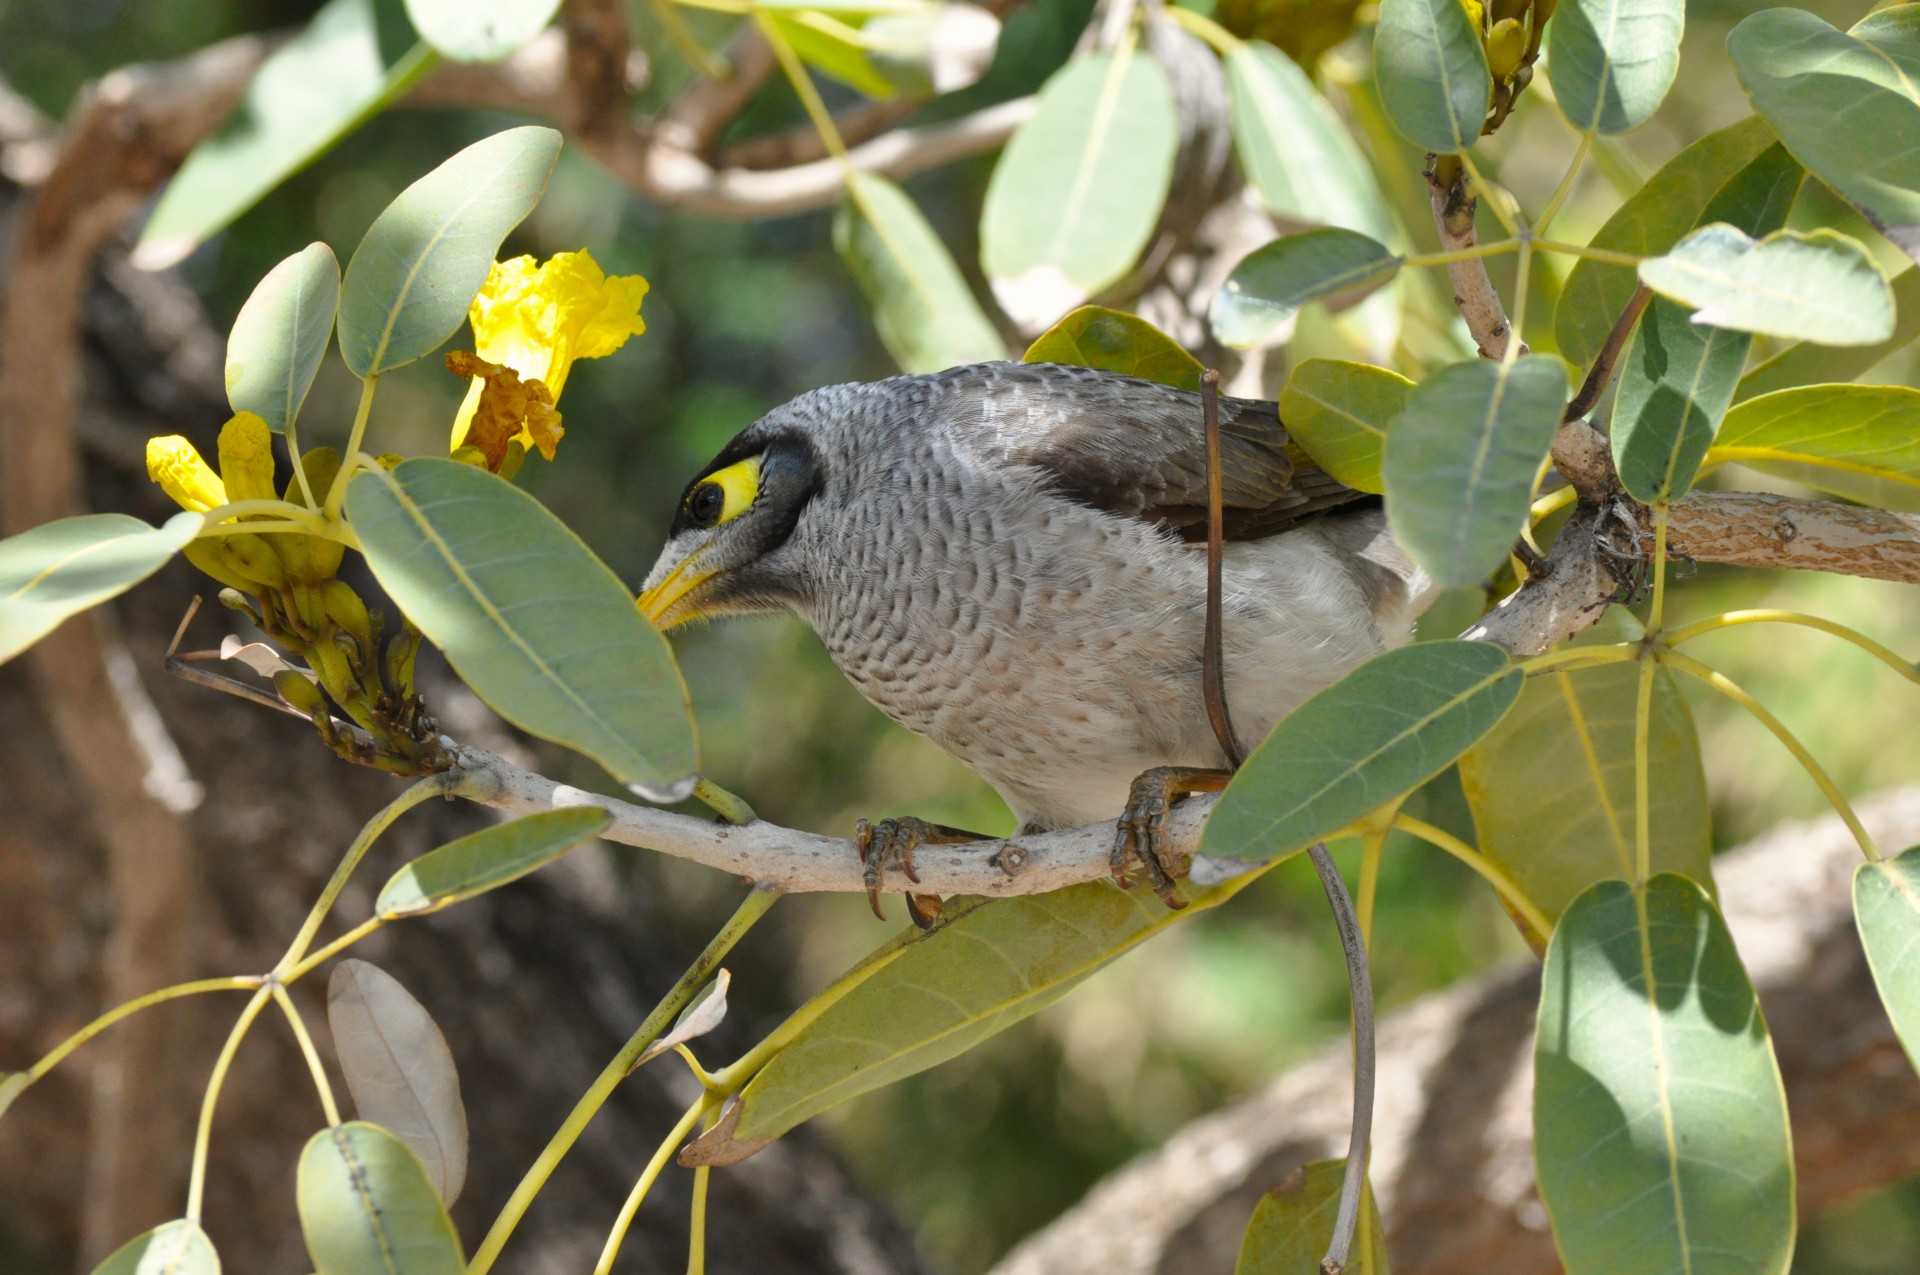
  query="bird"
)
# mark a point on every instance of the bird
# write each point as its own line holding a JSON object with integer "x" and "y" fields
{"x": 1009, "y": 559}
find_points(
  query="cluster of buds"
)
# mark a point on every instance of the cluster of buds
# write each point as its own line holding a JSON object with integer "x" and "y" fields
{"x": 1510, "y": 31}
{"x": 286, "y": 583}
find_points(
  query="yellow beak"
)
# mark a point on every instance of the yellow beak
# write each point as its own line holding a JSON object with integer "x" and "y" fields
{"x": 657, "y": 603}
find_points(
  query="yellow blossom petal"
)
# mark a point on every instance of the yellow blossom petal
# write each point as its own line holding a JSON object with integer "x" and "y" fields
{"x": 176, "y": 466}
{"x": 506, "y": 409}
{"x": 246, "y": 458}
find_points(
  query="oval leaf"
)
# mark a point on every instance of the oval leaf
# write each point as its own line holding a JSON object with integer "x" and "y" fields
{"x": 1651, "y": 221}
{"x": 1339, "y": 412}
{"x": 1382, "y": 730}
{"x": 925, "y": 313}
{"x": 411, "y": 279}
{"x": 1076, "y": 195}
{"x": 1612, "y": 61}
{"x": 1810, "y": 363}
{"x": 1114, "y": 341}
{"x": 366, "y": 1205}
{"x": 1847, "y": 104}
{"x": 1295, "y": 149}
{"x": 351, "y": 59}
{"x": 1821, "y": 286}
{"x": 483, "y": 860}
{"x": 1432, "y": 72}
{"x": 1857, "y": 441}
{"x": 528, "y": 617}
{"x": 176, "y": 1248}
{"x": 1270, "y": 285}
{"x": 1552, "y": 786}
{"x": 479, "y": 30}
{"x": 1886, "y": 907}
{"x": 929, "y": 996}
{"x": 64, "y": 567}
{"x": 281, "y": 335}
{"x": 1293, "y": 1224}
{"x": 399, "y": 1069}
{"x": 1658, "y": 1114}
{"x": 1461, "y": 460}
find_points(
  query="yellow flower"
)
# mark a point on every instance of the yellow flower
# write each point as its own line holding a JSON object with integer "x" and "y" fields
{"x": 246, "y": 458}
{"x": 538, "y": 319}
{"x": 176, "y": 466}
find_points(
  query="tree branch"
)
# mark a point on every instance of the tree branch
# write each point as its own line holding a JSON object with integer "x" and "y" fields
{"x": 1454, "y": 206}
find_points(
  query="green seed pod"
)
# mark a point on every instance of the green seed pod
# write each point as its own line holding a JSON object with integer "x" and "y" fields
{"x": 1506, "y": 49}
{"x": 403, "y": 649}
{"x": 1514, "y": 9}
{"x": 205, "y": 554}
{"x": 252, "y": 558}
{"x": 344, "y": 607}
{"x": 298, "y": 690}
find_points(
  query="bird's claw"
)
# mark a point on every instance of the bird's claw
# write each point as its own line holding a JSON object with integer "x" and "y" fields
{"x": 891, "y": 844}
{"x": 1141, "y": 830}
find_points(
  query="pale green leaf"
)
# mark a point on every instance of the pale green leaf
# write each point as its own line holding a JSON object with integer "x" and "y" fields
{"x": 834, "y": 45}
{"x": 926, "y": 314}
{"x": 1293, "y": 1223}
{"x": 366, "y": 1206}
{"x": 1114, "y": 341}
{"x": 1819, "y": 286}
{"x": 1886, "y": 907}
{"x": 1660, "y": 1126}
{"x": 1078, "y": 190}
{"x": 62, "y": 568}
{"x": 1857, "y": 441}
{"x": 1552, "y": 786}
{"x": 1339, "y": 413}
{"x": 489, "y": 858}
{"x": 281, "y": 335}
{"x": 175, "y": 1248}
{"x": 1295, "y": 150}
{"x": 1432, "y": 71}
{"x": 1651, "y": 221}
{"x": 352, "y": 59}
{"x": 1383, "y": 730}
{"x": 1612, "y": 61}
{"x": 1810, "y": 363}
{"x": 1268, "y": 287}
{"x": 480, "y": 30}
{"x": 411, "y": 279}
{"x": 1461, "y": 460}
{"x": 528, "y": 617}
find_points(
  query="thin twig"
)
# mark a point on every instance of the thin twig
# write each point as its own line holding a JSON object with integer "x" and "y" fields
{"x": 1602, "y": 370}
{"x": 1360, "y": 989}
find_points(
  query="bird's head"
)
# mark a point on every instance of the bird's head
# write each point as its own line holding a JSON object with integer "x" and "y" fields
{"x": 729, "y": 551}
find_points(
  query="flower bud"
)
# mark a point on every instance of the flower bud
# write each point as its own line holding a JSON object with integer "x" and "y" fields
{"x": 1506, "y": 49}
{"x": 205, "y": 554}
{"x": 252, "y": 559}
{"x": 246, "y": 458}
{"x": 298, "y": 690}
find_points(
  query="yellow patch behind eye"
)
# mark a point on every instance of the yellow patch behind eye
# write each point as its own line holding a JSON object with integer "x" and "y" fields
{"x": 739, "y": 483}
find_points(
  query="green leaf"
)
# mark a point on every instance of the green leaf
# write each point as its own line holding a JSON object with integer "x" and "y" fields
{"x": 399, "y": 1070}
{"x": 351, "y": 60}
{"x": 1461, "y": 460}
{"x": 281, "y": 335}
{"x": 1886, "y": 907}
{"x": 1293, "y": 1223}
{"x": 1651, "y": 221}
{"x": 1612, "y": 61}
{"x": 1295, "y": 150}
{"x": 1432, "y": 71}
{"x": 1339, "y": 413}
{"x": 528, "y": 617}
{"x": 1268, "y": 287}
{"x": 479, "y": 30}
{"x": 931, "y": 996}
{"x": 64, "y": 567}
{"x": 484, "y": 860}
{"x": 1810, "y": 363}
{"x": 1819, "y": 286}
{"x": 1114, "y": 341}
{"x": 1552, "y": 786}
{"x": 1857, "y": 441}
{"x": 1078, "y": 191}
{"x": 833, "y": 46}
{"x": 1660, "y": 1127}
{"x": 1382, "y": 730}
{"x": 366, "y": 1205}
{"x": 1677, "y": 377}
{"x": 1846, "y": 104}
{"x": 175, "y": 1248}
{"x": 413, "y": 276}
{"x": 926, "y": 314}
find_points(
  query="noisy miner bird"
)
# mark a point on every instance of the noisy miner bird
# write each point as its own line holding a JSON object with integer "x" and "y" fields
{"x": 1010, "y": 559}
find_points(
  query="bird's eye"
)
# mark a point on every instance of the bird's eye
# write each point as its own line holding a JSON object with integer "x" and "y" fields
{"x": 724, "y": 495}
{"x": 705, "y": 504}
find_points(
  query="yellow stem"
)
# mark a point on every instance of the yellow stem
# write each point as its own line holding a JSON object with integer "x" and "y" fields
{"x": 1223, "y": 41}
{"x": 1522, "y": 279}
{"x": 1484, "y": 188}
{"x": 1370, "y": 851}
{"x": 130, "y": 1008}
{"x": 333, "y": 949}
{"x": 803, "y": 85}
{"x": 733, "y": 809}
{"x": 1552, "y": 503}
{"x": 1498, "y": 248}
{"x": 1489, "y": 871}
{"x": 1642, "y": 780}
{"x": 1729, "y": 619}
{"x": 645, "y": 1183}
{"x": 1657, "y": 613}
{"x": 1566, "y": 185}
{"x": 1572, "y": 657}
{"x": 307, "y": 520}
{"x": 1607, "y": 255}
{"x": 338, "y": 492}
{"x": 203, "y": 1134}
{"x": 697, "y": 1233}
{"x": 697, "y": 54}
{"x": 299, "y": 470}
{"x": 312, "y": 1055}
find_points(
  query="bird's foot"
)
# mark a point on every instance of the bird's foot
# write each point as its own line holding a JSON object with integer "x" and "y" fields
{"x": 1142, "y": 828}
{"x": 890, "y": 844}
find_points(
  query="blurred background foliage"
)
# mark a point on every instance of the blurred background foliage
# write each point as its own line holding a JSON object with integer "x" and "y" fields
{"x": 744, "y": 315}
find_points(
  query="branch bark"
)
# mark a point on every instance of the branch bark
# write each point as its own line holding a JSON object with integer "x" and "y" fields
{"x": 1453, "y": 1163}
